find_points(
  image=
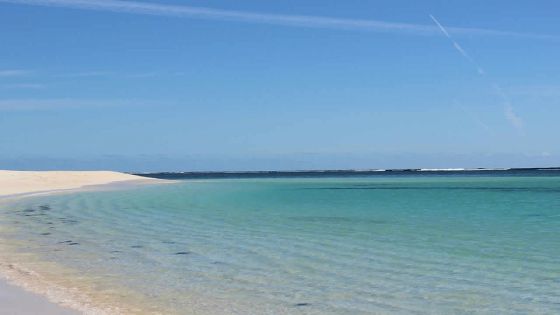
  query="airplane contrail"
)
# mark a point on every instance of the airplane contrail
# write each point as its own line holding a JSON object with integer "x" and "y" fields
{"x": 509, "y": 111}
{"x": 183, "y": 11}
{"x": 458, "y": 47}
{"x": 444, "y": 31}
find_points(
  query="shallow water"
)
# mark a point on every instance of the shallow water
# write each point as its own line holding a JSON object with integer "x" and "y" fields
{"x": 357, "y": 245}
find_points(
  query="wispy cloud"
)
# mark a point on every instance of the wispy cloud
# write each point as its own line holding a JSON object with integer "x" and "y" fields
{"x": 182, "y": 11}
{"x": 513, "y": 118}
{"x": 14, "y": 72}
{"x": 142, "y": 75}
{"x": 101, "y": 74}
{"x": 50, "y": 104}
{"x": 79, "y": 75}
{"x": 23, "y": 86}
{"x": 552, "y": 90}
{"x": 86, "y": 74}
{"x": 509, "y": 112}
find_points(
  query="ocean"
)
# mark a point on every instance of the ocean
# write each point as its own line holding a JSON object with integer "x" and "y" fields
{"x": 430, "y": 243}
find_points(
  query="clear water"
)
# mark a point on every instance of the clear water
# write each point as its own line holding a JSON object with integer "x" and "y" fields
{"x": 368, "y": 245}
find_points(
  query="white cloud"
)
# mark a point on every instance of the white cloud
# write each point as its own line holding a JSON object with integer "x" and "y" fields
{"x": 147, "y": 8}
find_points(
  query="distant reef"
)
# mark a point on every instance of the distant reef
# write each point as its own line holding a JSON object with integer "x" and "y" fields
{"x": 536, "y": 171}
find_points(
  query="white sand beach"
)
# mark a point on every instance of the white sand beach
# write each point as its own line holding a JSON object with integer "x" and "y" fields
{"x": 27, "y": 182}
{"x": 15, "y": 300}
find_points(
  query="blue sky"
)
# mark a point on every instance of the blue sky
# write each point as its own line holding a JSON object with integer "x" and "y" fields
{"x": 239, "y": 85}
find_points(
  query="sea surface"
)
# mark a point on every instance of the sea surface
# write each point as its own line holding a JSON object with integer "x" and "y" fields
{"x": 405, "y": 244}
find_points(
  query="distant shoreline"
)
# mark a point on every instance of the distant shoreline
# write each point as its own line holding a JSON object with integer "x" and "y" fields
{"x": 350, "y": 172}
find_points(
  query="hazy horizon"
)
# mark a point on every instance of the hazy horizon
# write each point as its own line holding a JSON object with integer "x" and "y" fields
{"x": 152, "y": 163}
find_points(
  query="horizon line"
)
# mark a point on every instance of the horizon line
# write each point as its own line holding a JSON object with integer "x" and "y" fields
{"x": 361, "y": 170}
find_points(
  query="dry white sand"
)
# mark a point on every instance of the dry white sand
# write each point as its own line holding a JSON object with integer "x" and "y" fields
{"x": 25, "y": 182}
{"x": 14, "y": 300}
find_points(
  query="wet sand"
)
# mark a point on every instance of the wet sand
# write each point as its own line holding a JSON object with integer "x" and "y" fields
{"x": 17, "y": 301}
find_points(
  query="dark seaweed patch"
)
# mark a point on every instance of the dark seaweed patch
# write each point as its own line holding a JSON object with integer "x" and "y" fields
{"x": 45, "y": 207}
{"x": 46, "y": 233}
{"x": 136, "y": 246}
{"x": 68, "y": 221}
{"x": 302, "y": 304}
{"x": 182, "y": 253}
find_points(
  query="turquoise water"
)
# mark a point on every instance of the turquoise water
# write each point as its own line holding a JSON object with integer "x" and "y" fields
{"x": 366, "y": 245}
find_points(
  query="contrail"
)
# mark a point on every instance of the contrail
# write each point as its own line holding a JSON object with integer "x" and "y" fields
{"x": 509, "y": 112}
{"x": 440, "y": 26}
{"x": 182, "y": 11}
{"x": 458, "y": 47}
